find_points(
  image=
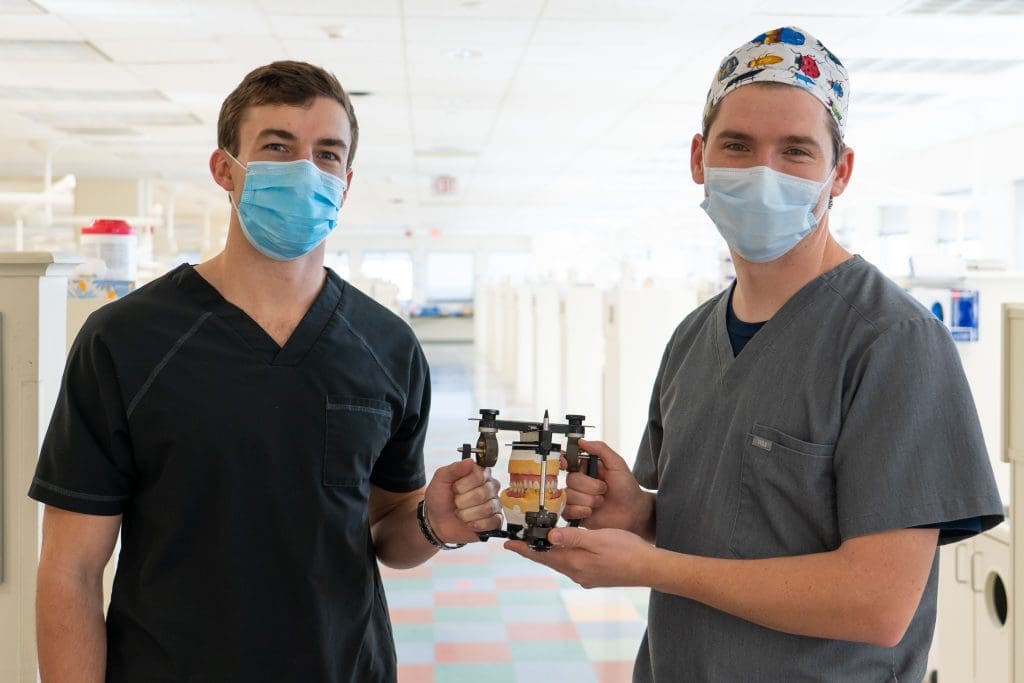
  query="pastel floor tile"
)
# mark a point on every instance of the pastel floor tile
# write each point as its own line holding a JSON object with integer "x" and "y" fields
{"x": 413, "y": 633}
{"x": 468, "y": 632}
{"x": 548, "y": 651}
{"x": 621, "y": 650}
{"x": 465, "y": 599}
{"x": 462, "y": 571}
{"x": 459, "y": 558}
{"x": 471, "y": 614}
{"x": 412, "y": 615}
{"x": 416, "y": 673}
{"x": 541, "y": 630}
{"x": 611, "y": 630}
{"x": 424, "y": 571}
{"x": 553, "y": 612}
{"x": 606, "y": 612}
{"x": 526, "y": 583}
{"x": 402, "y": 599}
{"x": 474, "y": 653}
{"x": 475, "y": 673}
{"x": 402, "y": 584}
{"x": 576, "y": 672}
{"x": 531, "y": 597}
{"x": 453, "y": 583}
{"x": 612, "y": 672}
{"x": 410, "y": 652}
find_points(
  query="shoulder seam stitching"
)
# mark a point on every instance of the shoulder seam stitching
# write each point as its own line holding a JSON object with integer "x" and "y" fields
{"x": 369, "y": 350}
{"x": 163, "y": 362}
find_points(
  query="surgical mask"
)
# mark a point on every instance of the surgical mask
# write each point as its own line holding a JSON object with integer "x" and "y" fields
{"x": 760, "y": 212}
{"x": 287, "y": 208}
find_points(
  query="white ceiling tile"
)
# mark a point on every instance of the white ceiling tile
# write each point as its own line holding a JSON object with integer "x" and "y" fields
{"x": 473, "y": 10}
{"x": 460, "y": 33}
{"x": 340, "y": 29}
{"x": 372, "y": 8}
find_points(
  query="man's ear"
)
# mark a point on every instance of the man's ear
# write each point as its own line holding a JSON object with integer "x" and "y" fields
{"x": 348, "y": 185}
{"x": 697, "y": 159}
{"x": 844, "y": 169}
{"x": 221, "y": 166}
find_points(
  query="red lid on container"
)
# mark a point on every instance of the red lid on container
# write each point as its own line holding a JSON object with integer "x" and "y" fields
{"x": 108, "y": 226}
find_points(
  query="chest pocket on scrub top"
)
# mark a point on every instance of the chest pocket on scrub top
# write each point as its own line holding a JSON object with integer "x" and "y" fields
{"x": 787, "y": 500}
{"x": 357, "y": 430}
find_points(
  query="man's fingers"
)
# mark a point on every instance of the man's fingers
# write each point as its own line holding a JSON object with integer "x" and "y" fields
{"x": 488, "y": 508}
{"x": 475, "y": 494}
{"x": 609, "y": 458}
{"x": 577, "y": 481}
{"x": 577, "y": 511}
{"x": 449, "y": 474}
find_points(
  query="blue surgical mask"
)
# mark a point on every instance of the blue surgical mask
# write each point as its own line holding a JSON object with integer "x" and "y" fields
{"x": 760, "y": 212}
{"x": 287, "y": 208}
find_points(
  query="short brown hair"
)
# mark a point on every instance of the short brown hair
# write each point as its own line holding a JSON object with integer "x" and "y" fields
{"x": 286, "y": 82}
{"x": 833, "y": 128}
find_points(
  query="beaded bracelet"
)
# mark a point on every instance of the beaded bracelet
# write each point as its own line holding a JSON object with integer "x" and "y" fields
{"x": 428, "y": 531}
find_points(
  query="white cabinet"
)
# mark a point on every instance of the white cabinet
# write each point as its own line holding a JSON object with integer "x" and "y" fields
{"x": 638, "y": 324}
{"x": 974, "y": 631}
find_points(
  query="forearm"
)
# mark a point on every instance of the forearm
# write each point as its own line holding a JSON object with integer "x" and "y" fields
{"x": 646, "y": 519}
{"x": 70, "y": 630}
{"x": 841, "y": 594}
{"x": 397, "y": 538}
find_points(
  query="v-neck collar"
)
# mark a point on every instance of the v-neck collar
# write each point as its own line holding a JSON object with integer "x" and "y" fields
{"x": 762, "y": 342}
{"x": 302, "y": 339}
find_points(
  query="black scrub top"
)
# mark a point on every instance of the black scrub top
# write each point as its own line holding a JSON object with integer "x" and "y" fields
{"x": 243, "y": 472}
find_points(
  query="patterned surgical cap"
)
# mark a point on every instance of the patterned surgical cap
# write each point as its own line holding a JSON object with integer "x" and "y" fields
{"x": 786, "y": 55}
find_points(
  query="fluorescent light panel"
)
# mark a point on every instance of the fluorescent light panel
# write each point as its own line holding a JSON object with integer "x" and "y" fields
{"x": 18, "y": 92}
{"x": 79, "y": 119}
{"x": 965, "y": 7}
{"x": 50, "y": 51}
{"x": 933, "y": 66}
{"x": 20, "y": 7}
{"x": 109, "y": 132}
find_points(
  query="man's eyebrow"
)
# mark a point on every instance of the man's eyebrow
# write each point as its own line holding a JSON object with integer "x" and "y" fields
{"x": 804, "y": 140}
{"x": 276, "y": 133}
{"x": 733, "y": 135}
{"x": 332, "y": 142}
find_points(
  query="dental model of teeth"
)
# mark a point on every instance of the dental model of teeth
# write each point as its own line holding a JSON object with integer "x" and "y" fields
{"x": 523, "y": 492}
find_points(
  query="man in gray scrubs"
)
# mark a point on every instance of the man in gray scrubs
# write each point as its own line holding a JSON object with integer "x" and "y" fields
{"x": 811, "y": 435}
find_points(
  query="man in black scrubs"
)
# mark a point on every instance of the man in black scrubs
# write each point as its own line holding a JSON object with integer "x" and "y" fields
{"x": 254, "y": 428}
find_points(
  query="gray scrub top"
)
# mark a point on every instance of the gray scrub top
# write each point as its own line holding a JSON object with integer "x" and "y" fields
{"x": 847, "y": 414}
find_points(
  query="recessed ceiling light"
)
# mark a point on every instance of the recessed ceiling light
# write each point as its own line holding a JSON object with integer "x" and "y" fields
{"x": 338, "y": 32}
{"x": 465, "y": 53}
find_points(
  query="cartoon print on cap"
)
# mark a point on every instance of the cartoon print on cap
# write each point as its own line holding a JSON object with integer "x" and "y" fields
{"x": 785, "y": 55}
